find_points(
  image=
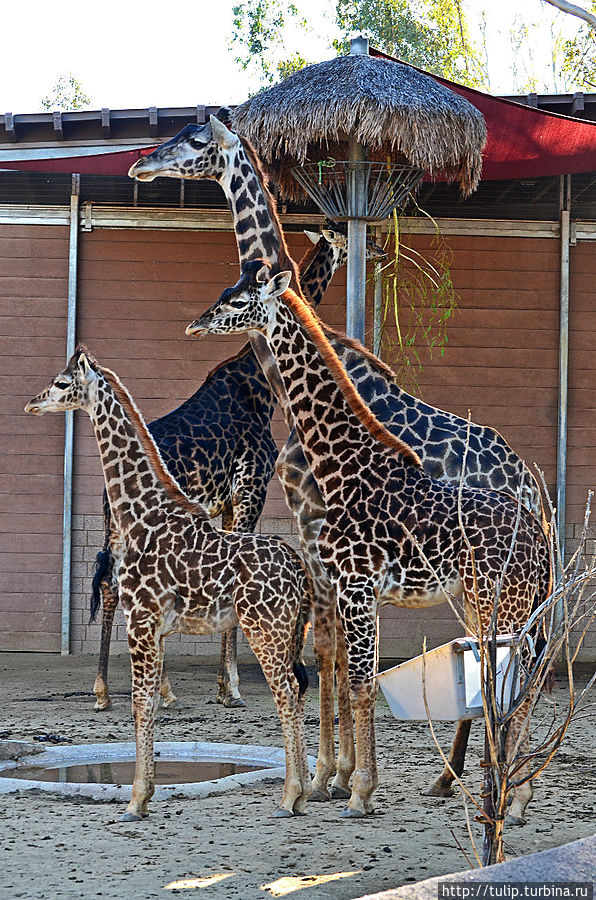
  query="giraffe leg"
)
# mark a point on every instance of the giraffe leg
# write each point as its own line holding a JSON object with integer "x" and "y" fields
{"x": 357, "y": 608}
{"x": 109, "y": 591}
{"x": 442, "y": 787}
{"x": 221, "y": 672}
{"x": 324, "y": 641}
{"x": 276, "y": 663}
{"x": 346, "y": 758}
{"x": 228, "y": 680}
{"x": 519, "y": 730}
{"x": 168, "y": 697}
{"x": 146, "y": 657}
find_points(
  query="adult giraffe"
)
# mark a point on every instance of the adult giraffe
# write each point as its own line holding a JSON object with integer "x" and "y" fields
{"x": 219, "y": 446}
{"x": 391, "y": 534}
{"x": 440, "y": 438}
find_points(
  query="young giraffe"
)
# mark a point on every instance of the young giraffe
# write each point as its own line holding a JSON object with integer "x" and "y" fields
{"x": 219, "y": 447}
{"x": 391, "y": 534}
{"x": 180, "y": 574}
{"x": 440, "y": 438}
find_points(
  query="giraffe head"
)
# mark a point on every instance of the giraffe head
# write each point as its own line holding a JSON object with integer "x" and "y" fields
{"x": 198, "y": 151}
{"x": 336, "y": 234}
{"x": 247, "y": 305}
{"x": 75, "y": 387}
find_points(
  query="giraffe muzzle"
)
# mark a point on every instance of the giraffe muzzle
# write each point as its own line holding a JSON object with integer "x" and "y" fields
{"x": 34, "y": 408}
{"x": 195, "y": 329}
{"x": 141, "y": 171}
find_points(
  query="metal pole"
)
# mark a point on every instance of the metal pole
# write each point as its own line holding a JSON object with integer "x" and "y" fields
{"x": 71, "y": 322}
{"x": 563, "y": 363}
{"x": 357, "y": 202}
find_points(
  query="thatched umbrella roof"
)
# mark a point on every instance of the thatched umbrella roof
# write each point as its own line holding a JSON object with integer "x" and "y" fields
{"x": 391, "y": 108}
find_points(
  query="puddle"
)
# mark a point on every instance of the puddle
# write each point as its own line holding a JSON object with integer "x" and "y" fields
{"x": 105, "y": 771}
{"x": 166, "y": 772}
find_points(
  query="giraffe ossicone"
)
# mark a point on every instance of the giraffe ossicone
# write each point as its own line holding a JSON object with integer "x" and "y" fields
{"x": 178, "y": 573}
{"x": 391, "y": 534}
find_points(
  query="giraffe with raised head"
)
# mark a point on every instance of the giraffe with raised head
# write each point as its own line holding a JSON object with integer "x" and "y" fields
{"x": 391, "y": 534}
{"x": 440, "y": 438}
{"x": 179, "y": 573}
{"x": 219, "y": 446}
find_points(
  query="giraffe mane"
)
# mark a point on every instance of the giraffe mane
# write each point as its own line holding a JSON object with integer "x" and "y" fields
{"x": 312, "y": 324}
{"x": 285, "y": 263}
{"x": 167, "y": 481}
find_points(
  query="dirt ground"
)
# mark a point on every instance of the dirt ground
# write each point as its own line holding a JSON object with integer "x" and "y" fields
{"x": 55, "y": 848}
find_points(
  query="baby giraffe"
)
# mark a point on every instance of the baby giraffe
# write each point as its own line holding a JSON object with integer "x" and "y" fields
{"x": 180, "y": 574}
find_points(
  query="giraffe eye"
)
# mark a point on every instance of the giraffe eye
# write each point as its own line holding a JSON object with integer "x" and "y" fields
{"x": 62, "y": 385}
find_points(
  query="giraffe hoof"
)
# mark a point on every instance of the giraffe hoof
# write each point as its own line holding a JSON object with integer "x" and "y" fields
{"x": 318, "y": 796}
{"x": 234, "y": 703}
{"x": 349, "y": 813}
{"x": 102, "y": 705}
{"x": 340, "y": 793}
{"x": 439, "y": 790}
{"x": 514, "y": 820}
{"x": 130, "y": 817}
{"x": 171, "y": 703}
{"x": 281, "y": 813}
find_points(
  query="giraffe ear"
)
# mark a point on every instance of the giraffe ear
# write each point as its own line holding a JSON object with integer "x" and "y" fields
{"x": 262, "y": 275}
{"x": 312, "y": 235}
{"x": 83, "y": 364}
{"x": 335, "y": 237}
{"x": 224, "y": 114}
{"x": 221, "y": 134}
{"x": 278, "y": 284}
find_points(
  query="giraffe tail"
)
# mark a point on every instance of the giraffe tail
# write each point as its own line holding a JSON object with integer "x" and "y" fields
{"x": 303, "y": 622}
{"x": 103, "y": 564}
{"x": 103, "y": 560}
{"x": 539, "y": 630}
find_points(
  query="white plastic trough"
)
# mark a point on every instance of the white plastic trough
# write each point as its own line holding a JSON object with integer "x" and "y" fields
{"x": 270, "y": 758}
{"x": 452, "y": 676}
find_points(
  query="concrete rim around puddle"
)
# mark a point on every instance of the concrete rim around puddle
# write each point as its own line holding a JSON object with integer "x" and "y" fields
{"x": 271, "y": 758}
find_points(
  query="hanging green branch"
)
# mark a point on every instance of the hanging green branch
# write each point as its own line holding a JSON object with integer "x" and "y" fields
{"x": 419, "y": 299}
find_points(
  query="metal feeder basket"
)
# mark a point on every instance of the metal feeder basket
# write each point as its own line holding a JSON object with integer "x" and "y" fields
{"x": 368, "y": 191}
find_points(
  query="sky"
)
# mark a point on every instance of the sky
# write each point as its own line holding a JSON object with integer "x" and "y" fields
{"x": 137, "y": 55}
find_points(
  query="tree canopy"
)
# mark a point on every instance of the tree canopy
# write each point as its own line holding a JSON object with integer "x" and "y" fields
{"x": 432, "y": 34}
{"x": 67, "y": 93}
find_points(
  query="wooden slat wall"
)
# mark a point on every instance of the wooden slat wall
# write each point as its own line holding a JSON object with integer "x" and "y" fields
{"x": 501, "y": 363}
{"x": 581, "y": 472}
{"x": 137, "y": 292}
{"x": 33, "y": 290}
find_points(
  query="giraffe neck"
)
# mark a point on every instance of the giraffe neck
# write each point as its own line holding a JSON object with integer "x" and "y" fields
{"x": 317, "y": 268}
{"x": 335, "y": 427}
{"x": 258, "y": 236}
{"x": 137, "y": 482}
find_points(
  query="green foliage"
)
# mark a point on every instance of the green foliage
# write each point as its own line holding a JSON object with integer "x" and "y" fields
{"x": 258, "y": 36}
{"x": 419, "y": 300}
{"x": 67, "y": 93}
{"x": 578, "y": 58}
{"x": 432, "y": 34}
